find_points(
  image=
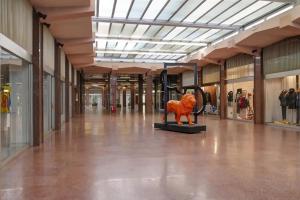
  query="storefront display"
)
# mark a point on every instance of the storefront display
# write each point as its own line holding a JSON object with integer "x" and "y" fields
{"x": 15, "y": 103}
{"x": 210, "y": 79}
{"x": 240, "y": 87}
{"x": 212, "y": 94}
{"x": 285, "y": 104}
{"x": 282, "y": 72}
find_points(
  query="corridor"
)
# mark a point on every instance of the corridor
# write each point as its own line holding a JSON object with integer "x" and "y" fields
{"x": 121, "y": 156}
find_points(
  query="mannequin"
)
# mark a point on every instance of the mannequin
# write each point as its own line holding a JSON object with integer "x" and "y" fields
{"x": 291, "y": 98}
{"x": 230, "y": 98}
{"x": 298, "y": 106}
{"x": 283, "y": 103}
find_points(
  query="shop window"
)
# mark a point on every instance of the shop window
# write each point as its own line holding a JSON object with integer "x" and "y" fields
{"x": 15, "y": 115}
{"x": 282, "y": 101}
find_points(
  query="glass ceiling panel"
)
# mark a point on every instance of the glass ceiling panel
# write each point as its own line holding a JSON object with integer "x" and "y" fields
{"x": 105, "y": 8}
{"x": 128, "y": 30}
{"x": 186, "y": 9}
{"x": 154, "y": 9}
{"x": 161, "y": 57}
{"x": 130, "y": 56}
{"x": 138, "y": 8}
{"x": 224, "y": 5}
{"x": 201, "y": 10}
{"x": 130, "y": 45}
{"x": 185, "y": 33}
{"x": 111, "y": 45}
{"x": 122, "y": 8}
{"x": 124, "y": 55}
{"x": 170, "y": 9}
{"x": 259, "y": 14}
{"x": 115, "y": 29}
{"x": 140, "y": 30}
{"x": 152, "y": 31}
{"x": 195, "y": 34}
{"x": 121, "y": 45}
{"x": 231, "y": 11}
{"x": 139, "y": 56}
{"x": 249, "y": 10}
{"x": 103, "y": 29}
{"x": 206, "y": 35}
{"x": 218, "y": 35}
{"x": 163, "y": 32}
{"x": 174, "y": 33}
{"x": 101, "y": 44}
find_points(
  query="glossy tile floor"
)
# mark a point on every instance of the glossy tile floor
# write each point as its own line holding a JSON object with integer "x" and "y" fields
{"x": 120, "y": 156}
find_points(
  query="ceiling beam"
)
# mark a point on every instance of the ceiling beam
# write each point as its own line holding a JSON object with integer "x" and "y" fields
{"x": 285, "y": 1}
{"x": 166, "y": 53}
{"x": 151, "y": 41}
{"x": 165, "y": 23}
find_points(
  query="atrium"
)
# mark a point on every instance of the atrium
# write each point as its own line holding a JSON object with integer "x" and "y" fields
{"x": 150, "y": 99}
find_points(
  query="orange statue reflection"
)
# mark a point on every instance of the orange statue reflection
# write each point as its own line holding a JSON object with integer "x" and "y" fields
{"x": 183, "y": 107}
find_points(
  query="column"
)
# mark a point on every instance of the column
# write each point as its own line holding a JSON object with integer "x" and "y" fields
{"x": 149, "y": 89}
{"x": 124, "y": 98}
{"x": 37, "y": 67}
{"x": 132, "y": 95}
{"x": 140, "y": 90}
{"x": 200, "y": 76}
{"x": 73, "y": 96}
{"x": 258, "y": 96}
{"x": 57, "y": 106}
{"x": 223, "y": 100}
{"x": 81, "y": 92}
{"x": 67, "y": 90}
{"x": 155, "y": 93}
{"x": 113, "y": 91}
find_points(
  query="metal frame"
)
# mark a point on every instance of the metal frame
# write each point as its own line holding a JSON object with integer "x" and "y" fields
{"x": 170, "y": 22}
{"x": 166, "y": 89}
{"x": 165, "y": 23}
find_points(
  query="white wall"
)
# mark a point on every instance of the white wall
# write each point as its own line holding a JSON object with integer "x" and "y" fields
{"x": 48, "y": 48}
{"x": 16, "y": 22}
{"x": 188, "y": 78}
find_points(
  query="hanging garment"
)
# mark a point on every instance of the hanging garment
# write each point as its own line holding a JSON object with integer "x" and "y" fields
{"x": 291, "y": 98}
{"x": 243, "y": 102}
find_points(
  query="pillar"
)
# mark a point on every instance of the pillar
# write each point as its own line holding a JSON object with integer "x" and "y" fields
{"x": 67, "y": 90}
{"x": 73, "y": 95}
{"x": 113, "y": 91}
{"x": 200, "y": 76}
{"x": 149, "y": 89}
{"x": 81, "y": 92}
{"x": 37, "y": 66}
{"x": 140, "y": 92}
{"x": 124, "y": 97}
{"x": 223, "y": 100}
{"x": 132, "y": 95}
{"x": 155, "y": 93}
{"x": 258, "y": 97}
{"x": 57, "y": 103}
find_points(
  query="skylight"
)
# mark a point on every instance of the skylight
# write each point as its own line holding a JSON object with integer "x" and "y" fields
{"x": 122, "y": 8}
{"x": 126, "y": 26}
{"x": 206, "y": 6}
{"x": 256, "y": 6}
{"x": 154, "y": 8}
{"x": 106, "y": 8}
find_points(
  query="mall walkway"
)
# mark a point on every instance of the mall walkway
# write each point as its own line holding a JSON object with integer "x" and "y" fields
{"x": 120, "y": 156}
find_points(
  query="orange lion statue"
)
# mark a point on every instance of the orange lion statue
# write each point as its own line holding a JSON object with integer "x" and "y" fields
{"x": 183, "y": 107}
